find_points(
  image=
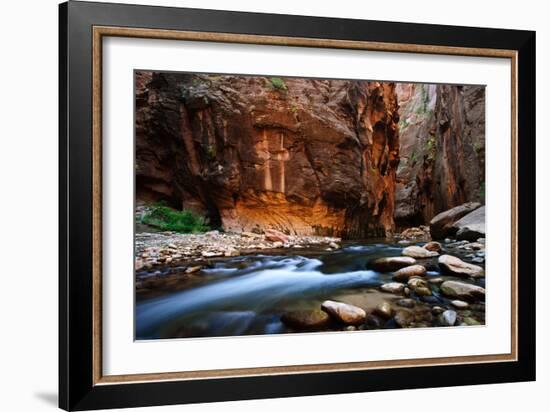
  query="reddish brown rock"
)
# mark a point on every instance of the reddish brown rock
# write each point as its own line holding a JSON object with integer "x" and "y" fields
{"x": 442, "y": 150}
{"x": 303, "y": 156}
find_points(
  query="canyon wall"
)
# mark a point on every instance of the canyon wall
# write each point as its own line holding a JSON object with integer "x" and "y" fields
{"x": 303, "y": 156}
{"x": 442, "y": 149}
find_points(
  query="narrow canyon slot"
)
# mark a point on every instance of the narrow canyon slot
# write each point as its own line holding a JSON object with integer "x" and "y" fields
{"x": 270, "y": 205}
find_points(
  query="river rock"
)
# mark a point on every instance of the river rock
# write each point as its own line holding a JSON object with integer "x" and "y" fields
{"x": 415, "y": 283}
{"x": 441, "y": 225}
{"x": 403, "y": 275}
{"x": 193, "y": 269}
{"x": 373, "y": 322}
{"x": 390, "y": 264}
{"x": 469, "y": 321}
{"x": 423, "y": 291}
{"x": 461, "y": 290}
{"x": 460, "y": 304}
{"x": 406, "y": 303}
{"x": 437, "y": 310}
{"x": 275, "y": 236}
{"x": 448, "y": 318}
{"x": 418, "y": 252}
{"x": 404, "y": 318}
{"x": 384, "y": 310}
{"x": 344, "y": 312}
{"x": 392, "y": 287}
{"x": 472, "y": 226}
{"x": 306, "y": 319}
{"x": 452, "y": 265}
{"x": 433, "y": 246}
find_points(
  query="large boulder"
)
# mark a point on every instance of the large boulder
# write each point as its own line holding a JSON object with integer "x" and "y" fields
{"x": 472, "y": 226}
{"x": 441, "y": 225}
{"x": 451, "y": 265}
{"x": 461, "y": 290}
{"x": 343, "y": 312}
{"x": 418, "y": 252}
{"x": 391, "y": 264}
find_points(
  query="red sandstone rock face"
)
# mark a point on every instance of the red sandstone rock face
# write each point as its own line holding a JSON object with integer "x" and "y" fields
{"x": 302, "y": 156}
{"x": 442, "y": 148}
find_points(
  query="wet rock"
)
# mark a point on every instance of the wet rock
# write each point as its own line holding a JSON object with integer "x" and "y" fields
{"x": 403, "y": 275}
{"x": 460, "y": 304}
{"x": 437, "y": 310}
{"x": 404, "y": 318}
{"x": 423, "y": 291}
{"x": 350, "y": 328}
{"x": 373, "y": 322}
{"x": 193, "y": 269}
{"x": 452, "y": 265}
{"x": 391, "y": 264}
{"x": 306, "y": 319}
{"x": 461, "y": 290}
{"x": 448, "y": 318}
{"x": 334, "y": 245}
{"x": 407, "y": 291}
{"x": 415, "y": 283}
{"x": 392, "y": 287}
{"x": 433, "y": 246}
{"x": 344, "y": 312}
{"x": 469, "y": 321}
{"x": 436, "y": 281}
{"x": 418, "y": 252}
{"x": 471, "y": 226}
{"x": 442, "y": 224}
{"x": 384, "y": 310}
{"x": 406, "y": 303}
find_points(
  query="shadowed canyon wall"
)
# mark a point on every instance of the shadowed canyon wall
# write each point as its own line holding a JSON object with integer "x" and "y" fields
{"x": 303, "y": 156}
{"x": 442, "y": 149}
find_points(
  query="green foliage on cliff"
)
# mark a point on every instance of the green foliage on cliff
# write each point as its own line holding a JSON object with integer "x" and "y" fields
{"x": 278, "y": 83}
{"x": 166, "y": 218}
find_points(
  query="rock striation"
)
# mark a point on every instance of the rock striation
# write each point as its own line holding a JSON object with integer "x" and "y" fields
{"x": 302, "y": 156}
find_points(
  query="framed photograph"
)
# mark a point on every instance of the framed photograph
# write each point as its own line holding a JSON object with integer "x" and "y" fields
{"x": 256, "y": 205}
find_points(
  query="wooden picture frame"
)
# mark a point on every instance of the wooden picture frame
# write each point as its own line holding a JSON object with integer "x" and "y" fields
{"x": 82, "y": 385}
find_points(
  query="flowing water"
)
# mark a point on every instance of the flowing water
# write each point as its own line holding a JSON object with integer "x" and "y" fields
{"x": 248, "y": 294}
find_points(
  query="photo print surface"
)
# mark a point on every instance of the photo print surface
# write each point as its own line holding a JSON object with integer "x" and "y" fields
{"x": 269, "y": 205}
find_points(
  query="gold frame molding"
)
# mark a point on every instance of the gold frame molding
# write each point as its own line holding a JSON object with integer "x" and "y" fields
{"x": 102, "y": 31}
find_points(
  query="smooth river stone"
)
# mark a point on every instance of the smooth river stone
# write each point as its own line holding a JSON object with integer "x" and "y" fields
{"x": 391, "y": 264}
{"x": 461, "y": 290}
{"x": 433, "y": 246}
{"x": 384, "y": 310}
{"x": 343, "y": 312}
{"x": 448, "y": 318}
{"x": 418, "y": 252}
{"x": 306, "y": 319}
{"x": 452, "y": 265}
{"x": 392, "y": 287}
{"x": 403, "y": 275}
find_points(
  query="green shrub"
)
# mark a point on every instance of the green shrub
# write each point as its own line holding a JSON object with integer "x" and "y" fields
{"x": 277, "y": 83}
{"x": 211, "y": 151}
{"x": 183, "y": 221}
